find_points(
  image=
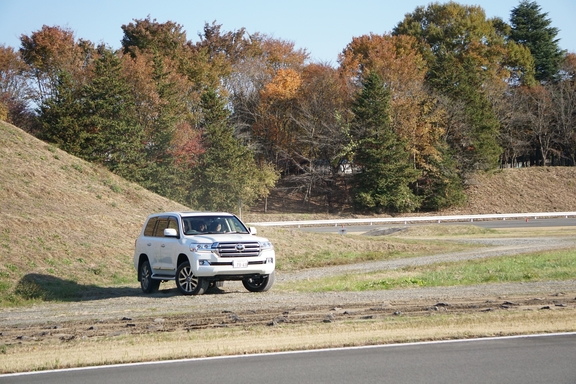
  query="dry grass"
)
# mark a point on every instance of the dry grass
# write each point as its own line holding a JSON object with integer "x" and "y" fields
{"x": 64, "y": 217}
{"x": 237, "y": 341}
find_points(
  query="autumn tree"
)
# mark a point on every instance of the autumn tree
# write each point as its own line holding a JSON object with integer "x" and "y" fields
{"x": 397, "y": 60}
{"x": 563, "y": 93}
{"x": 14, "y": 89}
{"x": 262, "y": 97}
{"x": 467, "y": 54}
{"x": 157, "y": 64}
{"x": 383, "y": 182}
{"x": 531, "y": 28}
{"x": 51, "y": 51}
{"x": 320, "y": 120}
{"x": 417, "y": 116}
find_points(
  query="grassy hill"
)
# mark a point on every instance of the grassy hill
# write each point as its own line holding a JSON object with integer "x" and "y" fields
{"x": 68, "y": 226}
{"x": 64, "y": 220}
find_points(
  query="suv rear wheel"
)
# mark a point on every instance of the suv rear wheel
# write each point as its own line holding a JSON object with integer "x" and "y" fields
{"x": 147, "y": 283}
{"x": 260, "y": 283}
{"x": 187, "y": 283}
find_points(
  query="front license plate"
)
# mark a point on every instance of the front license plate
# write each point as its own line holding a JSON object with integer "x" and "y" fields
{"x": 240, "y": 263}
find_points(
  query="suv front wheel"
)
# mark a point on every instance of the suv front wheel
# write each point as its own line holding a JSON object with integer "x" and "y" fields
{"x": 187, "y": 283}
{"x": 260, "y": 283}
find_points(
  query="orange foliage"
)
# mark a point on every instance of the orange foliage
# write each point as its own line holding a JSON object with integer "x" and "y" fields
{"x": 569, "y": 65}
{"x": 281, "y": 54}
{"x": 54, "y": 48}
{"x": 395, "y": 58}
{"x": 283, "y": 86}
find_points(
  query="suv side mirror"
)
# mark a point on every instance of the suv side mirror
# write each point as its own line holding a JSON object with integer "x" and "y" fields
{"x": 170, "y": 232}
{"x": 253, "y": 230}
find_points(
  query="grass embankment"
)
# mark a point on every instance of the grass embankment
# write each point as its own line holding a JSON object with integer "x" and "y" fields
{"x": 66, "y": 226}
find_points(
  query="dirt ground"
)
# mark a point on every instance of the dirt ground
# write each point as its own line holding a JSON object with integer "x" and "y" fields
{"x": 41, "y": 333}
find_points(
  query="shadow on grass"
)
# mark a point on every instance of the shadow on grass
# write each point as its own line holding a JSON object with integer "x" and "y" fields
{"x": 50, "y": 288}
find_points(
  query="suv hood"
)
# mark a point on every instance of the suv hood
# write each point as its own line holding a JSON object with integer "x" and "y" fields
{"x": 224, "y": 237}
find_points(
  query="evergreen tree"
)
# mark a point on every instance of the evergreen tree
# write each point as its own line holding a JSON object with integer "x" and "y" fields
{"x": 113, "y": 136}
{"x": 441, "y": 185}
{"x": 61, "y": 116}
{"x": 386, "y": 172}
{"x": 531, "y": 28}
{"x": 227, "y": 173}
{"x": 161, "y": 174}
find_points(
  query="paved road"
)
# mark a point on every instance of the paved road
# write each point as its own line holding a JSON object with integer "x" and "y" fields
{"x": 532, "y": 359}
{"x": 531, "y": 223}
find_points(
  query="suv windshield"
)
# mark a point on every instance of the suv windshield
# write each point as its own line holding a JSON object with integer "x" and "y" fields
{"x": 197, "y": 225}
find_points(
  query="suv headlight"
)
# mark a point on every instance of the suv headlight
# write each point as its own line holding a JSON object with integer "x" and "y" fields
{"x": 266, "y": 245}
{"x": 203, "y": 247}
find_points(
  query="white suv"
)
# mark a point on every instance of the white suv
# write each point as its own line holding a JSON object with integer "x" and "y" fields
{"x": 200, "y": 249}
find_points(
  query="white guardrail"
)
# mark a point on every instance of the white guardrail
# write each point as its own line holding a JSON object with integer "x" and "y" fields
{"x": 407, "y": 220}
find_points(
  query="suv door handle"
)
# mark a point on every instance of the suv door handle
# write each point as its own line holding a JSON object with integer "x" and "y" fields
{"x": 149, "y": 244}
{"x": 163, "y": 245}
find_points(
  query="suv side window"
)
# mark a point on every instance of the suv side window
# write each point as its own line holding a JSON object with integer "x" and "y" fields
{"x": 173, "y": 223}
{"x": 162, "y": 224}
{"x": 149, "y": 230}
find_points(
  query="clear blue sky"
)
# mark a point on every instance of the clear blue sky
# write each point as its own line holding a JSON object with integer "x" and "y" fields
{"x": 322, "y": 27}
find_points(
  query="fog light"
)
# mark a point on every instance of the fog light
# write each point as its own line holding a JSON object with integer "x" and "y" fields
{"x": 204, "y": 262}
{"x": 269, "y": 260}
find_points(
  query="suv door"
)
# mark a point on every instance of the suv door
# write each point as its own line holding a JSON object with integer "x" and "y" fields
{"x": 149, "y": 243}
{"x": 154, "y": 242}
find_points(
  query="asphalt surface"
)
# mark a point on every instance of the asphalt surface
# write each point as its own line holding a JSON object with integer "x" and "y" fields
{"x": 513, "y": 360}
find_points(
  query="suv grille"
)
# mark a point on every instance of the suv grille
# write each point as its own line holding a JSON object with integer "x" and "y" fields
{"x": 251, "y": 249}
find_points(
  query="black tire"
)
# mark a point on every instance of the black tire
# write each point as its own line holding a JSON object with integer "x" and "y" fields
{"x": 187, "y": 283}
{"x": 260, "y": 283}
{"x": 147, "y": 283}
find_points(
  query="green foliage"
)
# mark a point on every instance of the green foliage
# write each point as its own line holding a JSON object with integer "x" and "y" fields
{"x": 96, "y": 121}
{"x": 114, "y": 136}
{"x": 440, "y": 185}
{"x": 149, "y": 35}
{"x": 62, "y": 116}
{"x": 386, "y": 175}
{"x": 531, "y": 28}
{"x": 227, "y": 173}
